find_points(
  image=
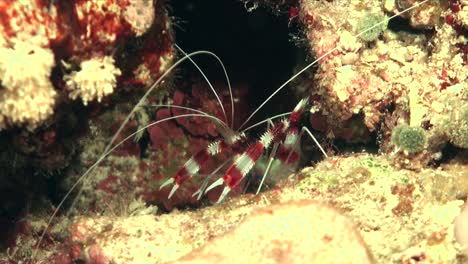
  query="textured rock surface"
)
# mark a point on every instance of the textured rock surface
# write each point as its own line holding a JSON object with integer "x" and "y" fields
{"x": 293, "y": 232}
{"x": 401, "y": 215}
{"x": 296, "y": 232}
{"x": 392, "y": 77}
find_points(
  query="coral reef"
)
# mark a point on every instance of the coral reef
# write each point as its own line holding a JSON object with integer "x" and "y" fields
{"x": 413, "y": 210}
{"x": 161, "y": 240}
{"x": 288, "y": 233}
{"x": 63, "y": 64}
{"x": 450, "y": 116}
{"x": 461, "y": 229}
{"x": 404, "y": 82}
{"x": 403, "y": 217}
{"x": 80, "y": 37}
{"x": 54, "y": 52}
{"x": 425, "y": 16}
{"x": 86, "y": 50}
{"x": 403, "y": 76}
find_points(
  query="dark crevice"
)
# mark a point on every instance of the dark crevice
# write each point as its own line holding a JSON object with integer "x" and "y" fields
{"x": 254, "y": 46}
{"x": 398, "y": 24}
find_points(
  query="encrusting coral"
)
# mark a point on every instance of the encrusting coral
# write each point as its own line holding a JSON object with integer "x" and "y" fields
{"x": 400, "y": 77}
{"x": 42, "y": 44}
{"x": 27, "y": 95}
{"x": 95, "y": 79}
{"x": 396, "y": 212}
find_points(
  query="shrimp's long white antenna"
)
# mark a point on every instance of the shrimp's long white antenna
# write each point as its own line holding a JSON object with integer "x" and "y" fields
{"x": 323, "y": 56}
{"x": 266, "y": 120}
{"x": 211, "y": 86}
{"x": 155, "y": 84}
{"x": 108, "y": 148}
{"x": 143, "y": 98}
{"x": 193, "y": 110}
{"x": 101, "y": 158}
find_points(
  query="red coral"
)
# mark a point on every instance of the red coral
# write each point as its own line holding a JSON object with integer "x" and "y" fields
{"x": 39, "y": 21}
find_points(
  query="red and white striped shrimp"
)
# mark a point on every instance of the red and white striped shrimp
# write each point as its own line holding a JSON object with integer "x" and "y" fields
{"x": 283, "y": 133}
{"x": 244, "y": 162}
{"x": 282, "y": 137}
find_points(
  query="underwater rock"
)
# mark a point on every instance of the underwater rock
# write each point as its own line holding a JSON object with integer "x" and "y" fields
{"x": 295, "y": 232}
{"x": 425, "y": 16}
{"x": 396, "y": 77}
{"x": 292, "y": 231}
{"x": 461, "y": 229}
{"x": 402, "y": 216}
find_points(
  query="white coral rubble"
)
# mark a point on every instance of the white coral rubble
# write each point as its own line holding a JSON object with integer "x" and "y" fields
{"x": 27, "y": 96}
{"x": 96, "y": 79}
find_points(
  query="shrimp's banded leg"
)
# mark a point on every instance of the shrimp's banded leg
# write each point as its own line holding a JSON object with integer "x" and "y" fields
{"x": 193, "y": 165}
{"x": 287, "y": 152}
{"x": 245, "y": 162}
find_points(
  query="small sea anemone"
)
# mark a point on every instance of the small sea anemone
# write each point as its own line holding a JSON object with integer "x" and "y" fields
{"x": 410, "y": 139}
{"x": 368, "y": 21}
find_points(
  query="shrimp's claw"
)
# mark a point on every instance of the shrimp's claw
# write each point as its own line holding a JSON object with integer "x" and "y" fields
{"x": 201, "y": 190}
{"x": 214, "y": 184}
{"x": 166, "y": 183}
{"x": 174, "y": 188}
{"x": 199, "y": 193}
{"x": 225, "y": 192}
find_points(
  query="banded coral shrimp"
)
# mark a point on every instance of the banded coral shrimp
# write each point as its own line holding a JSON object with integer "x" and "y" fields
{"x": 112, "y": 147}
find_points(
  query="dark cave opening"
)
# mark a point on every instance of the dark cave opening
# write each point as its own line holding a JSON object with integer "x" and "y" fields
{"x": 258, "y": 52}
{"x": 254, "y": 46}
